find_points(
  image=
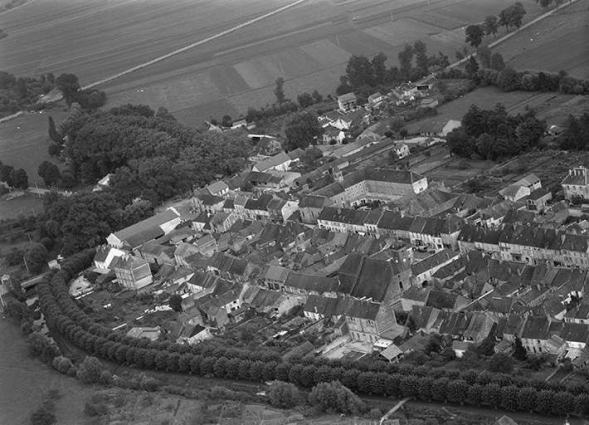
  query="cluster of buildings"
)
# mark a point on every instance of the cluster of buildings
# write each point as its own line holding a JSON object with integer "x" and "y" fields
{"x": 362, "y": 251}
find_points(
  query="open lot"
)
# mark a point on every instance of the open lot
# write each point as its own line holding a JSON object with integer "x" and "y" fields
{"x": 308, "y": 45}
{"x": 556, "y": 43}
{"x": 27, "y": 204}
{"x": 24, "y": 141}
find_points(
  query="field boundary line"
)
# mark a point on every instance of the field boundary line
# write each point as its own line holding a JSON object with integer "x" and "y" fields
{"x": 517, "y": 31}
{"x": 192, "y": 45}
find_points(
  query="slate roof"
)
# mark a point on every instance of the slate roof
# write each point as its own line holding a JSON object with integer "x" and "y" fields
{"x": 536, "y": 328}
{"x": 432, "y": 261}
{"x": 361, "y": 309}
{"x": 343, "y": 215}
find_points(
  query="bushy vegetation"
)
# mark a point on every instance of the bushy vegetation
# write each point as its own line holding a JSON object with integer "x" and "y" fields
{"x": 493, "y": 134}
{"x": 16, "y": 179}
{"x": 22, "y": 93}
{"x": 375, "y": 378}
{"x": 17, "y": 94}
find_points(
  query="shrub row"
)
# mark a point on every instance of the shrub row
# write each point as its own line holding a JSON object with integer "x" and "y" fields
{"x": 377, "y": 378}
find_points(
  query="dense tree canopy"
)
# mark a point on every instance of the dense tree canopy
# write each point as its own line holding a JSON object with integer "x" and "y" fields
{"x": 302, "y": 130}
{"x": 493, "y": 134}
{"x": 576, "y": 133}
{"x": 83, "y": 220}
{"x": 151, "y": 156}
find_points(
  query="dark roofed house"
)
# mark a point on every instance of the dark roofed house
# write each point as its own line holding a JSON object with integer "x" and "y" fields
{"x": 424, "y": 270}
{"x": 535, "y": 333}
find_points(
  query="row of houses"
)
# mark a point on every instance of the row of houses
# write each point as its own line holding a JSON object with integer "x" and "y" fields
{"x": 527, "y": 243}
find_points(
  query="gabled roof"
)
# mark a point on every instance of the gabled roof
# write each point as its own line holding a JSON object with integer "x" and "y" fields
{"x": 536, "y": 328}
{"x": 217, "y": 187}
{"x": 147, "y": 229}
{"x": 277, "y": 273}
{"x": 360, "y": 309}
{"x": 274, "y": 161}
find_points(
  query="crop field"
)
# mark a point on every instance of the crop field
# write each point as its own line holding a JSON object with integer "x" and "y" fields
{"x": 555, "y": 43}
{"x": 305, "y": 45}
{"x": 24, "y": 141}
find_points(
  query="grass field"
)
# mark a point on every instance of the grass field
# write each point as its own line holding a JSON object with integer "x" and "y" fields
{"x": 25, "y": 382}
{"x": 24, "y": 141}
{"x": 559, "y": 42}
{"x": 307, "y": 45}
{"x": 28, "y": 204}
{"x": 552, "y": 107}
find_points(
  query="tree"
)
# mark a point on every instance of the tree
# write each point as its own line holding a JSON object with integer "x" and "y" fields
{"x": 457, "y": 391}
{"x": 544, "y": 400}
{"x": 472, "y": 67}
{"x": 318, "y": 97}
{"x": 279, "y": 91}
{"x": 335, "y": 397}
{"x": 21, "y": 88}
{"x": 434, "y": 344}
{"x": 563, "y": 403}
{"x": 89, "y": 370}
{"x": 526, "y": 399}
{"x": 501, "y": 362}
{"x": 36, "y": 257}
{"x": 508, "y": 80}
{"x": 517, "y": 13}
{"x": 379, "y": 68}
{"x": 303, "y": 130}
{"x": 474, "y": 35}
{"x": 53, "y": 133}
{"x": 405, "y": 58}
{"x": 283, "y": 395}
{"x": 359, "y": 72}
{"x": 421, "y": 59}
{"x": 491, "y": 395}
{"x": 305, "y": 99}
{"x": 486, "y": 347}
{"x": 509, "y": 395}
{"x": 497, "y": 62}
{"x": 5, "y": 172}
{"x": 227, "y": 121}
{"x": 491, "y": 25}
{"x": 69, "y": 85}
{"x": 19, "y": 179}
{"x": 175, "y": 302}
{"x": 49, "y": 172}
{"x": 163, "y": 114}
{"x": 484, "y": 55}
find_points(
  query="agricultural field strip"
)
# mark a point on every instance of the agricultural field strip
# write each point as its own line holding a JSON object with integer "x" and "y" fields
{"x": 191, "y": 46}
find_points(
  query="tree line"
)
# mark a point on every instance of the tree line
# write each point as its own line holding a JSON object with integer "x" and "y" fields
{"x": 363, "y": 76}
{"x": 377, "y": 378}
{"x": 511, "y": 16}
{"x": 493, "y": 134}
